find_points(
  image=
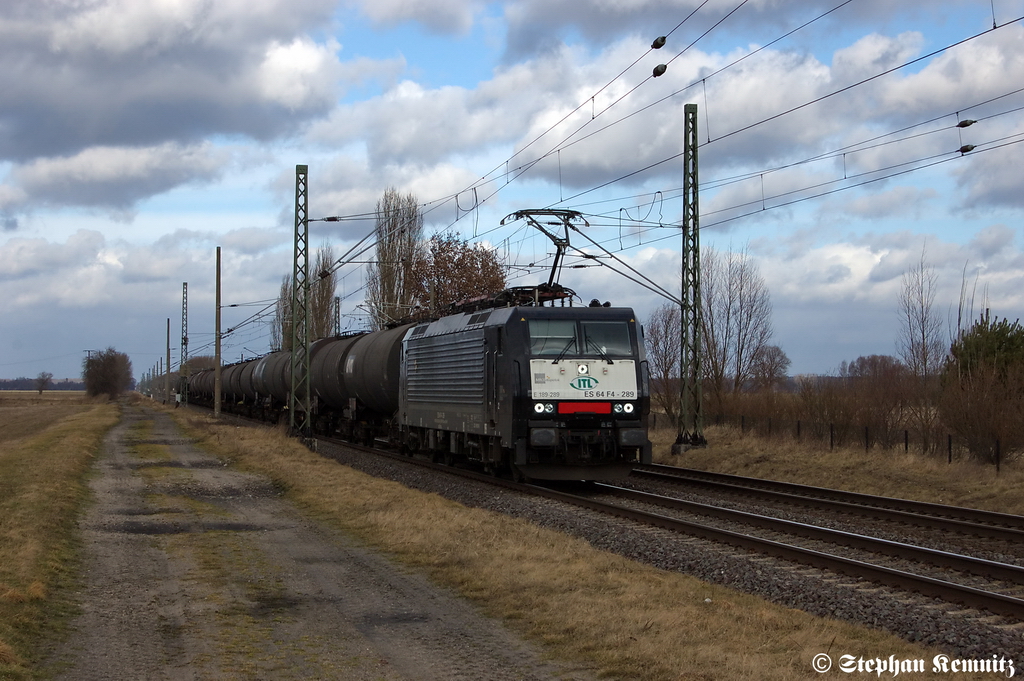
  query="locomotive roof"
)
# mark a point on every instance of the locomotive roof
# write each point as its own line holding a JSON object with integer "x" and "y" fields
{"x": 500, "y": 316}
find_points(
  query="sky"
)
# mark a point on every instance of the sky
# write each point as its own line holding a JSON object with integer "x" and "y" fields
{"x": 137, "y": 137}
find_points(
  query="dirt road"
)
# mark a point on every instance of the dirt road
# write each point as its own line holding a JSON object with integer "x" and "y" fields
{"x": 194, "y": 570}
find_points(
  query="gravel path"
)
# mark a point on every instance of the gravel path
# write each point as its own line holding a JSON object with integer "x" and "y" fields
{"x": 197, "y": 571}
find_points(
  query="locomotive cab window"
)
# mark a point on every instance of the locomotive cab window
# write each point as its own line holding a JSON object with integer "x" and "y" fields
{"x": 606, "y": 338}
{"x": 552, "y": 337}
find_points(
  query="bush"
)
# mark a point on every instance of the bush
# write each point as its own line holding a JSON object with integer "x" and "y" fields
{"x": 107, "y": 372}
{"x": 983, "y": 387}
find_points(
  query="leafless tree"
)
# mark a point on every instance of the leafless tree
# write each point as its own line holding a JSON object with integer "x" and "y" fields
{"x": 281, "y": 326}
{"x": 323, "y": 282}
{"x": 448, "y": 270}
{"x": 921, "y": 347}
{"x": 43, "y": 381}
{"x": 737, "y": 311}
{"x": 662, "y": 335}
{"x": 398, "y": 231}
{"x": 769, "y": 367}
{"x": 875, "y": 387}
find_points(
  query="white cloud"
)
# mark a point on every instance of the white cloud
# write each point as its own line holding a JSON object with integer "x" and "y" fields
{"x": 873, "y": 54}
{"x": 299, "y": 73}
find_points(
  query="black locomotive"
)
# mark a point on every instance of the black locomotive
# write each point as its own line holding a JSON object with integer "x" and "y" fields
{"x": 538, "y": 391}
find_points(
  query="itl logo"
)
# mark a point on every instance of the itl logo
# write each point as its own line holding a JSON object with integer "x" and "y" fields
{"x": 583, "y": 383}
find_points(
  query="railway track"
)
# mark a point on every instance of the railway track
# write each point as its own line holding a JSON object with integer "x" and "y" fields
{"x": 973, "y": 582}
{"x": 996, "y": 587}
{"x": 975, "y": 522}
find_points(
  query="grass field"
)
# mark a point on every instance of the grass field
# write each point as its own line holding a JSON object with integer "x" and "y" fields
{"x": 628, "y": 620}
{"x": 892, "y": 473}
{"x": 46, "y": 445}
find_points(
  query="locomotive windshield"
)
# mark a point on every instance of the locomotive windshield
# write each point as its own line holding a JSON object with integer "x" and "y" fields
{"x": 606, "y": 338}
{"x": 552, "y": 337}
{"x": 561, "y": 337}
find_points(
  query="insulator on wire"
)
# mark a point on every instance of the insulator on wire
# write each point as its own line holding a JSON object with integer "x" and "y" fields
{"x": 658, "y": 43}
{"x": 966, "y": 148}
{"x": 967, "y": 122}
{"x": 660, "y": 69}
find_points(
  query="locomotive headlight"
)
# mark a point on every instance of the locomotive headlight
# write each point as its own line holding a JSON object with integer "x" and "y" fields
{"x": 539, "y": 407}
{"x": 549, "y": 408}
{"x": 542, "y": 408}
{"x": 617, "y": 408}
{"x": 628, "y": 408}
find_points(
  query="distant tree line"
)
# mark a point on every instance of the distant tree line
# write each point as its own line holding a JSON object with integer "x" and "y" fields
{"x": 24, "y": 383}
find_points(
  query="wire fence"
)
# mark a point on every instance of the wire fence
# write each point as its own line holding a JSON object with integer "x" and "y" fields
{"x": 928, "y": 441}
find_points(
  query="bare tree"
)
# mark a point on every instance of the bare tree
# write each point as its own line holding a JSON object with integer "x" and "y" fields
{"x": 921, "y": 347}
{"x": 662, "y": 335}
{"x": 43, "y": 381}
{"x": 449, "y": 270}
{"x": 398, "y": 230}
{"x": 875, "y": 387}
{"x": 324, "y": 281}
{"x": 281, "y": 327}
{"x": 737, "y": 311}
{"x": 769, "y": 367}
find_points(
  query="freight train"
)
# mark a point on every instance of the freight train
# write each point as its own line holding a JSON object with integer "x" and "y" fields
{"x": 517, "y": 386}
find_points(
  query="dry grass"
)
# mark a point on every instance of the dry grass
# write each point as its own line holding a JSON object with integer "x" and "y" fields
{"x": 624, "y": 619}
{"x": 891, "y": 473}
{"x": 44, "y": 457}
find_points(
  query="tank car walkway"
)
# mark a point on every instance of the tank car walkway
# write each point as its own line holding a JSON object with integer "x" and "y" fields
{"x": 194, "y": 570}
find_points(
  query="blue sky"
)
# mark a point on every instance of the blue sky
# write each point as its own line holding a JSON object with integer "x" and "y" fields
{"x": 137, "y": 137}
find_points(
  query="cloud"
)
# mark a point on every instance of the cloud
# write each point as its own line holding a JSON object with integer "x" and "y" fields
{"x": 124, "y": 73}
{"x": 992, "y": 241}
{"x": 896, "y": 202}
{"x": 440, "y": 16}
{"x": 21, "y": 257}
{"x": 114, "y": 177}
{"x": 874, "y": 54}
{"x": 299, "y": 73}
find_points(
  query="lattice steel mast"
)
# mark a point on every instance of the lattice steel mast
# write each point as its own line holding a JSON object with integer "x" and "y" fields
{"x": 184, "y": 342}
{"x": 691, "y": 414}
{"x": 299, "y": 397}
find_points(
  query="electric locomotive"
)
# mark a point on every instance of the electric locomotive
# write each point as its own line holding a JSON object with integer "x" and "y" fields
{"x": 546, "y": 392}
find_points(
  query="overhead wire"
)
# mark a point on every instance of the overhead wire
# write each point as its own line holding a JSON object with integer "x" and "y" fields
{"x": 569, "y": 141}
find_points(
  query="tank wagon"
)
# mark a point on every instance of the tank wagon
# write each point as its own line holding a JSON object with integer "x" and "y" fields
{"x": 557, "y": 393}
